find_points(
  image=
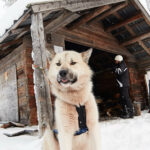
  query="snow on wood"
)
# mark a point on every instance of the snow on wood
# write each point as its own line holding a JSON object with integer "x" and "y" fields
{"x": 146, "y": 5}
{"x": 13, "y": 12}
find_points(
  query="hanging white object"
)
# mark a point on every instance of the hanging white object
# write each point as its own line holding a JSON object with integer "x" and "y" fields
{"x": 58, "y": 49}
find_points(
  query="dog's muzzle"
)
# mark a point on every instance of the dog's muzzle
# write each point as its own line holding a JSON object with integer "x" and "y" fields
{"x": 65, "y": 77}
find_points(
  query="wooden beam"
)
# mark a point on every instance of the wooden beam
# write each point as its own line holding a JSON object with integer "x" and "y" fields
{"x": 124, "y": 22}
{"x": 61, "y": 21}
{"x": 144, "y": 64}
{"x": 126, "y": 25}
{"x": 41, "y": 86}
{"x": 138, "y": 52}
{"x": 10, "y": 43}
{"x": 92, "y": 40}
{"x": 106, "y": 14}
{"x": 99, "y": 31}
{"x": 73, "y": 6}
{"x": 130, "y": 30}
{"x": 145, "y": 48}
{"x": 136, "y": 39}
{"x": 88, "y": 17}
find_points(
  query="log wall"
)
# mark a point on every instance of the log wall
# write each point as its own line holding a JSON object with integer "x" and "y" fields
{"x": 137, "y": 85}
{"x": 21, "y": 58}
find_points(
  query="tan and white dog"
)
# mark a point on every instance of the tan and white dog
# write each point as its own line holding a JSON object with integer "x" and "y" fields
{"x": 70, "y": 78}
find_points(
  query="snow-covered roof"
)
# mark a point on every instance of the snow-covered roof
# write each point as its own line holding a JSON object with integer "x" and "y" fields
{"x": 145, "y": 5}
{"x": 14, "y": 12}
{"x": 11, "y": 14}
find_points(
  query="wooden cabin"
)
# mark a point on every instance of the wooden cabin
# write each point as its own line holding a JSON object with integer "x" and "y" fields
{"x": 110, "y": 27}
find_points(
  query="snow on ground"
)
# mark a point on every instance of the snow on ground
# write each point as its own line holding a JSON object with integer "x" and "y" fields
{"x": 129, "y": 134}
{"x": 23, "y": 142}
{"x": 120, "y": 134}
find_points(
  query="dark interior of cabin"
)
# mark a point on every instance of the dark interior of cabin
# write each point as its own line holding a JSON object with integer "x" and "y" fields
{"x": 105, "y": 87}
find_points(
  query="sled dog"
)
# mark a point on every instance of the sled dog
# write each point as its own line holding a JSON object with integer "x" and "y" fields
{"x": 76, "y": 113}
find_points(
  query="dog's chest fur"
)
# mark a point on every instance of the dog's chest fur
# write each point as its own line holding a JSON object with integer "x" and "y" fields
{"x": 69, "y": 114}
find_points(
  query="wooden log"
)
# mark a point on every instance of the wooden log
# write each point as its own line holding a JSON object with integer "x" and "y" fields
{"x": 74, "y": 6}
{"x": 41, "y": 86}
{"x": 111, "y": 11}
{"x": 10, "y": 43}
{"x": 65, "y": 18}
{"x": 126, "y": 25}
{"x": 91, "y": 40}
{"x": 147, "y": 50}
{"x": 136, "y": 38}
{"x": 138, "y": 52}
{"x": 137, "y": 108}
{"x": 88, "y": 17}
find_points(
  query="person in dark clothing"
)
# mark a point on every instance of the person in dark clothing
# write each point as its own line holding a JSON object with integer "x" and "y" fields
{"x": 122, "y": 77}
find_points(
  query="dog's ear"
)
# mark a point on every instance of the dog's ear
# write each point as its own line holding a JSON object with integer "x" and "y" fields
{"x": 86, "y": 55}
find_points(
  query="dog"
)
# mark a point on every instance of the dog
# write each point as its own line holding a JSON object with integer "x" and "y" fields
{"x": 70, "y": 78}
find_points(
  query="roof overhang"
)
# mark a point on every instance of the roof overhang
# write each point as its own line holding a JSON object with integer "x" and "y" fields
{"x": 72, "y": 5}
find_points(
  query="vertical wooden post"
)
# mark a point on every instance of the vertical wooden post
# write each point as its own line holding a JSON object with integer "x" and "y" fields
{"x": 41, "y": 86}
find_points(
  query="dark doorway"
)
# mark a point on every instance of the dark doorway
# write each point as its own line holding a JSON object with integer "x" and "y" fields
{"x": 105, "y": 88}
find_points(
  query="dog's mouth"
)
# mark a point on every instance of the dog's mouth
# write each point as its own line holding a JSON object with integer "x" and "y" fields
{"x": 66, "y": 80}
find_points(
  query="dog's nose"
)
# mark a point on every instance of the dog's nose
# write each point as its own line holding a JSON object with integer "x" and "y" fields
{"x": 63, "y": 73}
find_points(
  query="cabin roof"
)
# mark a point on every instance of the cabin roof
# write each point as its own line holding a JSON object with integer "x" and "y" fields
{"x": 128, "y": 22}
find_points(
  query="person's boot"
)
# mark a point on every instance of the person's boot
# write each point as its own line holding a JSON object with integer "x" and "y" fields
{"x": 126, "y": 116}
{"x": 131, "y": 113}
{"x": 124, "y": 113}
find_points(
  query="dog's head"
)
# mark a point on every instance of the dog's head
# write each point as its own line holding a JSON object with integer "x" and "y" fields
{"x": 69, "y": 69}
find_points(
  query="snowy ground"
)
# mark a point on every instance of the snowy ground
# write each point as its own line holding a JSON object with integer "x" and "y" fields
{"x": 129, "y": 134}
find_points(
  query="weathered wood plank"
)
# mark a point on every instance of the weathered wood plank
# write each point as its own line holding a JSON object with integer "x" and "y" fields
{"x": 145, "y": 48}
{"x": 135, "y": 39}
{"x": 99, "y": 31}
{"x": 144, "y": 64}
{"x": 91, "y": 40}
{"x": 61, "y": 21}
{"x": 8, "y": 96}
{"x": 126, "y": 25}
{"x": 111, "y": 11}
{"x": 88, "y": 17}
{"x": 10, "y": 43}
{"x": 124, "y": 22}
{"x": 76, "y": 5}
{"x": 41, "y": 86}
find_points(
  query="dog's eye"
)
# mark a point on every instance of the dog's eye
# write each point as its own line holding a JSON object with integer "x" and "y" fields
{"x": 58, "y": 64}
{"x": 73, "y": 63}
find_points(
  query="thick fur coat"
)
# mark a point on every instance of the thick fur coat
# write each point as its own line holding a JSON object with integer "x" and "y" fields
{"x": 70, "y": 78}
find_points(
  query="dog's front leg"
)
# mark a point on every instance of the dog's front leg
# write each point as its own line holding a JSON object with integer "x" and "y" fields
{"x": 65, "y": 141}
{"x": 95, "y": 135}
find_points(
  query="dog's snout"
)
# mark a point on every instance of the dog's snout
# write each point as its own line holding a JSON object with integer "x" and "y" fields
{"x": 63, "y": 73}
